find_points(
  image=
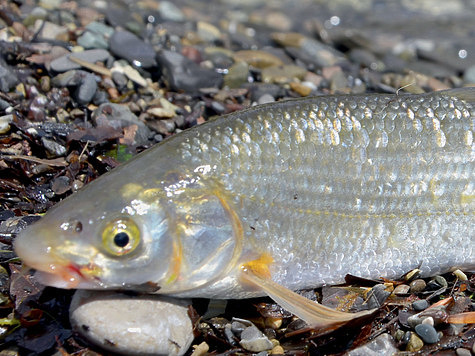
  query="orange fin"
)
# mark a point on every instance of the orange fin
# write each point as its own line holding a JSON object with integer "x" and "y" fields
{"x": 313, "y": 313}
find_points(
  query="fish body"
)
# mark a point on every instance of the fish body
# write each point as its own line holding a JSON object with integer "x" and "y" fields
{"x": 304, "y": 191}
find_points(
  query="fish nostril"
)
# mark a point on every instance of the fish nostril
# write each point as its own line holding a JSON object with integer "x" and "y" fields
{"x": 78, "y": 227}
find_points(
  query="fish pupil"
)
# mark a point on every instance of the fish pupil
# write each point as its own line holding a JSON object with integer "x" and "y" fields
{"x": 121, "y": 239}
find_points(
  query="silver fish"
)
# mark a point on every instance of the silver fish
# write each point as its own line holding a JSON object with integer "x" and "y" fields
{"x": 299, "y": 193}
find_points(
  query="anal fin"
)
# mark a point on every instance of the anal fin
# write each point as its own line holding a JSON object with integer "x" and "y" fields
{"x": 316, "y": 315}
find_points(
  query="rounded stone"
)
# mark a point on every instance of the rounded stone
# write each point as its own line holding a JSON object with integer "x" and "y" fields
{"x": 419, "y": 305}
{"x": 144, "y": 324}
{"x": 401, "y": 289}
{"x": 417, "y": 285}
{"x": 427, "y": 333}
{"x": 415, "y": 343}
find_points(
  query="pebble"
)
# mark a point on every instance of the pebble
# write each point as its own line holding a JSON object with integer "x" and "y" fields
{"x": 182, "y": 73}
{"x": 383, "y": 345}
{"x": 258, "y": 59}
{"x": 469, "y": 75}
{"x": 8, "y": 78}
{"x": 5, "y": 123}
{"x": 463, "y": 352}
{"x": 120, "y": 116}
{"x": 460, "y": 275}
{"x": 252, "y": 339}
{"x": 401, "y": 289}
{"x": 126, "y": 45}
{"x": 92, "y": 40}
{"x": 420, "y": 305}
{"x": 169, "y": 11}
{"x": 415, "y": 343}
{"x": 417, "y": 285}
{"x": 277, "y": 350}
{"x": 53, "y": 148}
{"x": 237, "y": 75}
{"x": 86, "y": 90}
{"x": 144, "y": 324}
{"x": 265, "y": 98}
{"x": 427, "y": 333}
{"x": 441, "y": 281}
{"x": 282, "y": 74}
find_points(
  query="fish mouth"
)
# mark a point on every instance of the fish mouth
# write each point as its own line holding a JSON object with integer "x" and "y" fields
{"x": 67, "y": 276}
{"x": 52, "y": 269}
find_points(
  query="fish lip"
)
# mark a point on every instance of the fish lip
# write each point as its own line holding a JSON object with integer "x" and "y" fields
{"x": 66, "y": 276}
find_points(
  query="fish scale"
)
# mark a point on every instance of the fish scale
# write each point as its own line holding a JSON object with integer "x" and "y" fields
{"x": 371, "y": 185}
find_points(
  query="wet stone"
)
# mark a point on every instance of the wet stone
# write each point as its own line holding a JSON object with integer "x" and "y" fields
{"x": 169, "y": 11}
{"x": 128, "y": 46}
{"x": 415, "y": 343}
{"x": 183, "y": 74}
{"x": 469, "y": 75}
{"x": 86, "y": 90}
{"x": 463, "y": 352}
{"x": 282, "y": 74}
{"x": 427, "y": 333}
{"x": 92, "y": 40}
{"x": 417, "y": 285}
{"x": 60, "y": 185}
{"x": 120, "y": 116}
{"x": 419, "y": 305}
{"x": 252, "y": 339}
{"x": 7, "y": 78}
{"x": 401, "y": 289}
{"x": 55, "y": 149}
{"x": 383, "y": 345}
{"x": 145, "y": 324}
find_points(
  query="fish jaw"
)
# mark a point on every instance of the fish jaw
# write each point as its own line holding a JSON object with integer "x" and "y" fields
{"x": 51, "y": 269}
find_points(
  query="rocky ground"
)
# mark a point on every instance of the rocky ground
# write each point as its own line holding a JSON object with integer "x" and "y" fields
{"x": 85, "y": 85}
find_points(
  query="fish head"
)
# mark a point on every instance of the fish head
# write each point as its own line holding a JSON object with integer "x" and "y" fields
{"x": 168, "y": 237}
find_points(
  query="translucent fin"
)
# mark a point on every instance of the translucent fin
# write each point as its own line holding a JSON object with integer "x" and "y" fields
{"x": 314, "y": 314}
{"x": 467, "y": 94}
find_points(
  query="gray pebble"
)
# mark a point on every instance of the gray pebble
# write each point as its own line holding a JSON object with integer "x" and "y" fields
{"x": 86, "y": 90}
{"x": 92, "y": 40}
{"x": 100, "y": 28}
{"x": 469, "y": 75}
{"x": 266, "y": 98}
{"x": 419, "y": 305}
{"x": 169, "y": 11}
{"x": 427, "y": 333}
{"x": 8, "y": 78}
{"x": 54, "y": 148}
{"x": 128, "y": 46}
{"x": 120, "y": 116}
{"x": 383, "y": 345}
{"x": 61, "y": 185}
{"x": 63, "y": 64}
{"x": 252, "y": 339}
{"x": 417, "y": 285}
{"x": 145, "y": 324}
{"x": 463, "y": 352}
{"x": 182, "y": 73}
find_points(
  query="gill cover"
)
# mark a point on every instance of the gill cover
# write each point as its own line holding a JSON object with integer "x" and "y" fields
{"x": 207, "y": 233}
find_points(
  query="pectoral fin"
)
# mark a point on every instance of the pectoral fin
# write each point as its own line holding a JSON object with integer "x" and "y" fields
{"x": 316, "y": 315}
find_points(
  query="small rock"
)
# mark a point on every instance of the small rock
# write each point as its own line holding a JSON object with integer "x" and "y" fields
{"x": 469, "y": 75}
{"x": 460, "y": 275}
{"x": 86, "y": 90}
{"x": 128, "y": 46}
{"x": 182, "y": 73}
{"x": 300, "y": 88}
{"x": 144, "y": 324}
{"x": 441, "y": 281}
{"x": 54, "y": 148}
{"x": 61, "y": 185}
{"x": 277, "y": 350}
{"x": 427, "y": 333}
{"x": 201, "y": 349}
{"x": 92, "y": 40}
{"x": 252, "y": 339}
{"x": 415, "y": 343}
{"x": 463, "y": 352}
{"x": 169, "y": 11}
{"x": 50, "y": 31}
{"x": 237, "y": 75}
{"x": 258, "y": 59}
{"x": 120, "y": 116}
{"x": 420, "y": 305}
{"x": 266, "y": 98}
{"x": 8, "y": 78}
{"x": 5, "y": 123}
{"x": 417, "y": 285}
{"x": 382, "y": 345}
{"x": 401, "y": 289}
{"x": 282, "y": 74}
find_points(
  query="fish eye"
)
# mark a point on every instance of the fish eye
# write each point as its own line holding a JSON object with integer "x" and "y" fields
{"x": 121, "y": 236}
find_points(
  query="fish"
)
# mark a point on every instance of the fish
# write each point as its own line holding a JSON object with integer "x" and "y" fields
{"x": 276, "y": 198}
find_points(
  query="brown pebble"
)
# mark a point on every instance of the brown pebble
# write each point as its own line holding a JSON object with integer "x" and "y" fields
{"x": 401, "y": 289}
{"x": 415, "y": 343}
{"x": 417, "y": 285}
{"x": 301, "y": 89}
{"x": 258, "y": 59}
{"x": 45, "y": 84}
